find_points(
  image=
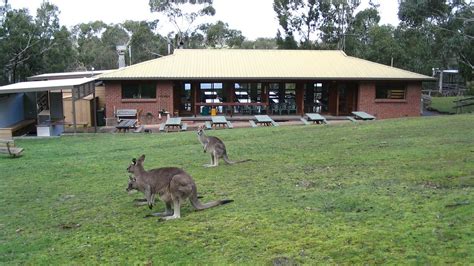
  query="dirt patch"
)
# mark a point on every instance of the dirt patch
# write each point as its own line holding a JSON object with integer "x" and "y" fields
{"x": 283, "y": 261}
{"x": 305, "y": 184}
{"x": 68, "y": 226}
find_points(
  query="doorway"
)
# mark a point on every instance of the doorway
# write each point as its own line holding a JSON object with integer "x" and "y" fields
{"x": 342, "y": 98}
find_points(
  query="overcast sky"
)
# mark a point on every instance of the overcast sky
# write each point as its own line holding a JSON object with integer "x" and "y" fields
{"x": 257, "y": 21}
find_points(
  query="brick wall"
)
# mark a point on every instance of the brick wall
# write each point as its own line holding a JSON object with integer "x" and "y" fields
{"x": 114, "y": 101}
{"x": 387, "y": 108}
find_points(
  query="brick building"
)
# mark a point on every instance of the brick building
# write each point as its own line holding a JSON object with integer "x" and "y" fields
{"x": 276, "y": 82}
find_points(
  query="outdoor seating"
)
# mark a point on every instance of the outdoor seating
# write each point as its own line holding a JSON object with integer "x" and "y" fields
{"x": 264, "y": 120}
{"x": 173, "y": 123}
{"x": 220, "y": 121}
{"x": 363, "y": 116}
{"x": 127, "y": 119}
{"x": 126, "y": 125}
{"x": 315, "y": 118}
{"x": 8, "y": 147}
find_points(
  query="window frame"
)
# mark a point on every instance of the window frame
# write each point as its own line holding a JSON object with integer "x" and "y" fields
{"x": 391, "y": 91}
{"x": 139, "y": 86}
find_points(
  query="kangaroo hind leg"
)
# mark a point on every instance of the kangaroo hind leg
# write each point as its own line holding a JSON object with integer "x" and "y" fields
{"x": 168, "y": 212}
{"x": 177, "y": 210}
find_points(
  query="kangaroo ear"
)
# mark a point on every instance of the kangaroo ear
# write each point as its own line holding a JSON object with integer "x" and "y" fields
{"x": 134, "y": 161}
{"x": 142, "y": 158}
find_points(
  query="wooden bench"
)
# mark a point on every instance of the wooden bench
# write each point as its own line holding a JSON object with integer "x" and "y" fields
{"x": 71, "y": 124}
{"x": 7, "y": 146}
{"x": 8, "y": 132}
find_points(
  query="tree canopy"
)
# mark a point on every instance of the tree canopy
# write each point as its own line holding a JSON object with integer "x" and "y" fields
{"x": 431, "y": 34}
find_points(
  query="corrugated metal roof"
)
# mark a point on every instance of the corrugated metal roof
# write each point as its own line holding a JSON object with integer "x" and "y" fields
{"x": 44, "y": 85}
{"x": 211, "y": 64}
{"x": 68, "y": 75}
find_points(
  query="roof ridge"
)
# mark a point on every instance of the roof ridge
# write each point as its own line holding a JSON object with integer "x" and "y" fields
{"x": 259, "y": 50}
{"x": 135, "y": 65}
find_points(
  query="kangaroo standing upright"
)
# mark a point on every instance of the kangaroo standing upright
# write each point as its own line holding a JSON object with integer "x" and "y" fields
{"x": 173, "y": 186}
{"x": 215, "y": 147}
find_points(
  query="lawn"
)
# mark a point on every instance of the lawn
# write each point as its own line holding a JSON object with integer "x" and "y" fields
{"x": 394, "y": 191}
{"x": 446, "y": 105}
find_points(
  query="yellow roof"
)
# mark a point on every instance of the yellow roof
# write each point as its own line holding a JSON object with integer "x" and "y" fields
{"x": 212, "y": 64}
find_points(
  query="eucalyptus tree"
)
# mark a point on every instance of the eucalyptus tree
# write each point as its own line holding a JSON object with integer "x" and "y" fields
{"x": 260, "y": 43}
{"x": 336, "y": 23}
{"x": 183, "y": 15}
{"x": 17, "y": 46}
{"x": 56, "y": 52}
{"x": 219, "y": 35}
{"x": 447, "y": 29}
{"x": 301, "y": 19}
{"x": 90, "y": 49}
{"x": 144, "y": 43}
{"x": 358, "y": 36}
{"x": 32, "y": 46}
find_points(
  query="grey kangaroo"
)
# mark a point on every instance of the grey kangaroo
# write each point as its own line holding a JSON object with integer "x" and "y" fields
{"x": 173, "y": 186}
{"x": 215, "y": 147}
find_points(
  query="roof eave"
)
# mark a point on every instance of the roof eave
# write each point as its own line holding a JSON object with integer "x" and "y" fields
{"x": 421, "y": 79}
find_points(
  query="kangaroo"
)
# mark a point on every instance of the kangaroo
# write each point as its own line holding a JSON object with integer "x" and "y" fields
{"x": 173, "y": 186}
{"x": 215, "y": 147}
{"x": 133, "y": 186}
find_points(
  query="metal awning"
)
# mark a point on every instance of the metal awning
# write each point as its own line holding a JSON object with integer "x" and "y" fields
{"x": 45, "y": 85}
{"x": 80, "y": 88}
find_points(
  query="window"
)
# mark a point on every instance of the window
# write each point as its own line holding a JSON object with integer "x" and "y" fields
{"x": 395, "y": 91}
{"x": 138, "y": 91}
{"x": 212, "y": 92}
{"x": 248, "y": 92}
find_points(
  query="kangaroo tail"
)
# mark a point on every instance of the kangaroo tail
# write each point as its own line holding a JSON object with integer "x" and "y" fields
{"x": 200, "y": 206}
{"x": 228, "y": 161}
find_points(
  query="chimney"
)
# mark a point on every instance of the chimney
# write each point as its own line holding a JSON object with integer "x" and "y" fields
{"x": 121, "y": 49}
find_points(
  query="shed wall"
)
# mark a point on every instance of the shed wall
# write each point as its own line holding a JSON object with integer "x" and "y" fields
{"x": 11, "y": 109}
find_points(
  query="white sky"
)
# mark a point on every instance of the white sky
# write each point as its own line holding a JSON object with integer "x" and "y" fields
{"x": 257, "y": 21}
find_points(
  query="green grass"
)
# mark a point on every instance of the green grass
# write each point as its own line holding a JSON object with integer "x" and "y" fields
{"x": 446, "y": 105}
{"x": 376, "y": 192}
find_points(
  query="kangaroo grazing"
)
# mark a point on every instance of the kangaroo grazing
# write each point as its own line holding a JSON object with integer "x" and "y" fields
{"x": 173, "y": 186}
{"x": 215, "y": 147}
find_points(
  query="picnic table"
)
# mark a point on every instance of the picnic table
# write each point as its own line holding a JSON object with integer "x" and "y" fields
{"x": 125, "y": 124}
{"x": 363, "y": 115}
{"x": 316, "y": 118}
{"x": 218, "y": 121}
{"x": 173, "y": 123}
{"x": 265, "y": 120}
